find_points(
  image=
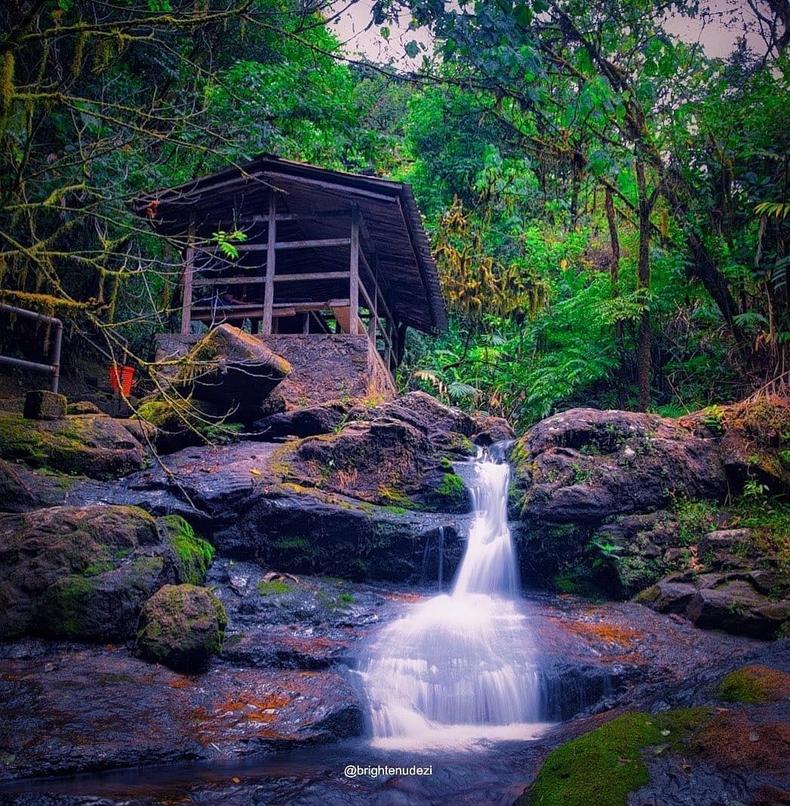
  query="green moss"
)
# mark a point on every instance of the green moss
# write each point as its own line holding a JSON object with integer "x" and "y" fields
{"x": 193, "y": 554}
{"x": 276, "y": 587}
{"x": 602, "y": 767}
{"x": 65, "y": 606}
{"x": 222, "y": 619}
{"x": 452, "y": 485}
{"x": 695, "y": 519}
{"x": 292, "y": 543}
{"x": 98, "y": 567}
{"x": 754, "y": 684}
{"x": 336, "y": 601}
{"x": 58, "y": 446}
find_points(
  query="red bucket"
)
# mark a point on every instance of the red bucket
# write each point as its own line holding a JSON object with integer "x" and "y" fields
{"x": 121, "y": 379}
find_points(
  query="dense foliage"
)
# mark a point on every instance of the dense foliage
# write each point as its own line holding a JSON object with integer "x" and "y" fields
{"x": 609, "y": 205}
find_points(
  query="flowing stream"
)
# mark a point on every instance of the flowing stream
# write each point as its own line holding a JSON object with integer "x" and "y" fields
{"x": 458, "y": 666}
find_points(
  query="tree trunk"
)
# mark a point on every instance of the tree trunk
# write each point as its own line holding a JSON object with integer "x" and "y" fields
{"x": 643, "y": 283}
{"x": 614, "y": 273}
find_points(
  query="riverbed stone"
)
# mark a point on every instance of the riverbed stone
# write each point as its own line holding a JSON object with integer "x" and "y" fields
{"x": 84, "y": 572}
{"x": 734, "y": 601}
{"x": 181, "y": 626}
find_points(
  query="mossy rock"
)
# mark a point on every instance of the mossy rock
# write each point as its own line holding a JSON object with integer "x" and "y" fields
{"x": 603, "y": 766}
{"x": 181, "y": 626}
{"x": 102, "y": 607}
{"x": 84, "y": 572}
{"x": 754, "y": 685}
{"x": 91, "y": 445}
{"x": 182, "y": 423}
{"x": 232, "y": 369}
{"x": 193, "y": 555}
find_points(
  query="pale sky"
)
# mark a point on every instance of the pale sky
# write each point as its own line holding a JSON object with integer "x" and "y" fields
{"x": 353, "y": 27}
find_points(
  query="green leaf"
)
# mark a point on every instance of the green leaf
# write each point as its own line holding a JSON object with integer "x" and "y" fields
{"x": 412, "y": 49}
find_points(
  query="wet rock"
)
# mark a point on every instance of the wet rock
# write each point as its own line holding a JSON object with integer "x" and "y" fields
{"x": 238, "y": 494}
{"x": 586, "y": 465}
{"x": 302, "y": 422}
{"x": 292, "y": 622}
{"x": 91, "y": 445}
{"x": 231, "y": 369}
{"x": 84, "y": 572}
{"x": 103, "y": 607}
{"x": 74, "y": 709}
{"x": 382, "y": 461}
{"x": 44, "y": 405}
{"x": 490, "y": 430}
{"x": 83, "y": 407}
{"x": 181, "y": 626}
{"x": 730, "y": 601}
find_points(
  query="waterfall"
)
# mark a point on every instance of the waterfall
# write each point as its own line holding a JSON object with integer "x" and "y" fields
{"x": 459, "y": 666}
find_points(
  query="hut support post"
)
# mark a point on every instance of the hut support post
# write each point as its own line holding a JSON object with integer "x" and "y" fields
{"x": 186, "y": 285}
{"x": 268, "y": 292}
{"x": 353, "y": 310}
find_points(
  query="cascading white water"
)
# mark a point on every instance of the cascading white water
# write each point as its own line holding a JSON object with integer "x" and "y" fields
{"x": 458, "y": 666}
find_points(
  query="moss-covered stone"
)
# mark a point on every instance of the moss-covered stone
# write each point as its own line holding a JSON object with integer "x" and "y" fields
{"x": 90, "y": 445}
{"x": 755, "y": 684}
{"x": 603, "y": 766}
{"x": 181, "y": 626}
{"x": 66, "y": 607}
{"x": 193, "y": 554}
{"x": 44, "y": 405}
{"x": 84, "y": 572}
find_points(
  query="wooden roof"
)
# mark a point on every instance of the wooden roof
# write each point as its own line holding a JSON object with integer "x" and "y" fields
{"x": 393, "y": 237}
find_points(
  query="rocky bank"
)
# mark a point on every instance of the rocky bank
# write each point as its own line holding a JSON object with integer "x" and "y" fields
{"x": 212, "y": 599}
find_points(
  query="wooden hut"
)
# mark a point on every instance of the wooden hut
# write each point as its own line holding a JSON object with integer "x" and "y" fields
{"x": 337, "y": 255}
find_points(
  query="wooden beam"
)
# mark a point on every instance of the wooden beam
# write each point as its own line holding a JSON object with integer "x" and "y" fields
{"x": 353, "y": 292}
{"x": 186, "y": 288}
{"x": 315, "y": 275}
{"x": 257, "y": 218}
{"x": 228, "y": 281}
{"x": 332, "y": 187}
{"x": 264, "y": 247}
{"x": 268, "y": 292}
{"x": 280, "y": 309}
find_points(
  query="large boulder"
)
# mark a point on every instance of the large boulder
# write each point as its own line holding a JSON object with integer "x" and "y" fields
{"x": 739, "y": 602}
{"x": 754, "y": 439}
{"x": 243, "y": 495}
{"x": 446, "y": 428}
{"x": 306, "y": 421}
{"x": 383, "y": 461}
{"x": 84, "y": 572}
{"x": 92, "y": 445}
{"x": 585, "y": 465}
{"x": 181, "y": 626}
{"x": 231, "y": 369}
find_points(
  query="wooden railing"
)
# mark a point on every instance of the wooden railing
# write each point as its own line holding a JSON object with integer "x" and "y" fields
{"x": 361, "y": 275}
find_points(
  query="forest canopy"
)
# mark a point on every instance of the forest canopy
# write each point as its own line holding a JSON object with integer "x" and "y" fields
{"x": 608, "y": 203}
